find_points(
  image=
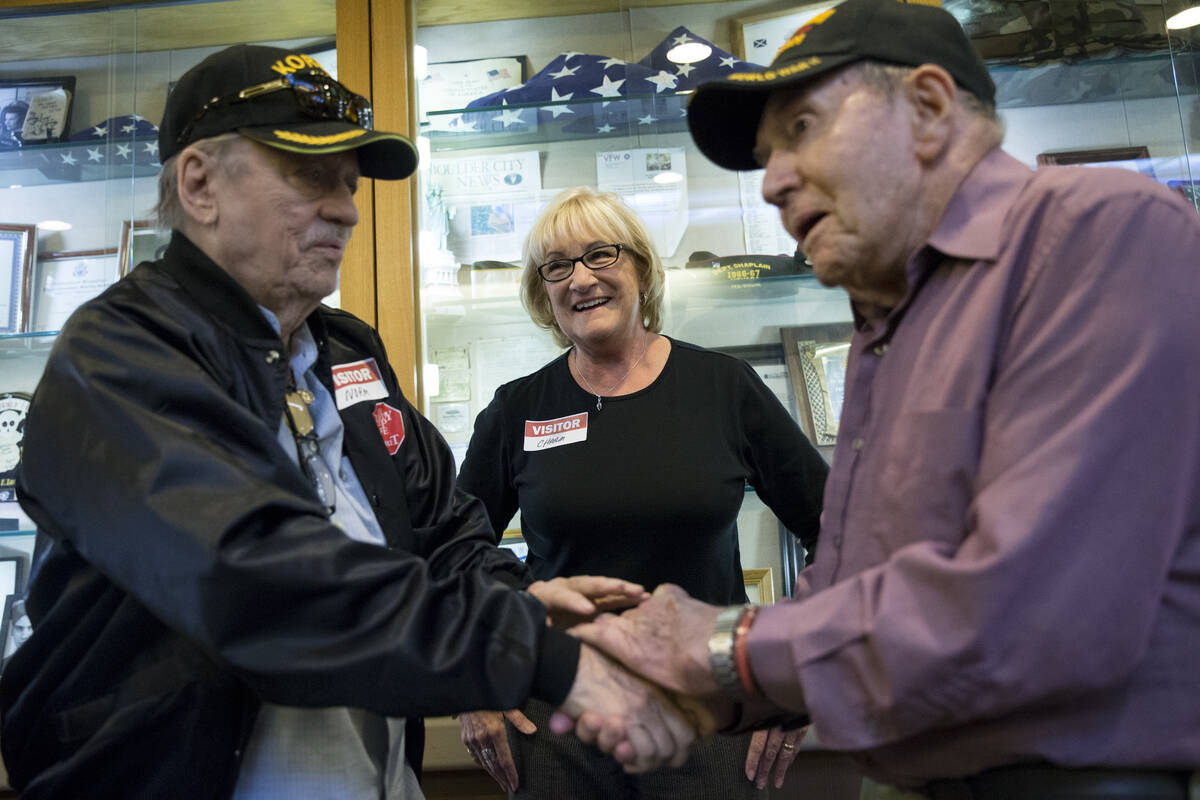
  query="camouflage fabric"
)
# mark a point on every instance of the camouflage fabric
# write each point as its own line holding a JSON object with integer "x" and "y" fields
{"x": 1031, "y": 32}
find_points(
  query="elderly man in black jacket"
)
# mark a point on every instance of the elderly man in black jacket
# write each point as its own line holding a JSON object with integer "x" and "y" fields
{"x": 252, "y": 560}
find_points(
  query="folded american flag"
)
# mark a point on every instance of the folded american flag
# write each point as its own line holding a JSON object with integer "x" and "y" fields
{"x": 587, "y": 94}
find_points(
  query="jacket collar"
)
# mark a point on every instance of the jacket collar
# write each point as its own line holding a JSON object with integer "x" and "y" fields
{"x": 220, "y": 295}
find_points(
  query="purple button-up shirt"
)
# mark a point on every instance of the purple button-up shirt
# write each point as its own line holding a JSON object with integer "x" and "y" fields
{"x": 1009, "y": 562}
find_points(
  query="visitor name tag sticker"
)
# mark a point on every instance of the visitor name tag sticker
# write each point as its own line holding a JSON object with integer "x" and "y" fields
{"x": 357, "y": 382}
{"x": 544, "y": 434}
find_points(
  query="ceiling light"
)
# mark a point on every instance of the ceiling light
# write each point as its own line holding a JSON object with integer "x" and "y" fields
{"x": 689, "y": 53}
{"x": 1187, "y": 18}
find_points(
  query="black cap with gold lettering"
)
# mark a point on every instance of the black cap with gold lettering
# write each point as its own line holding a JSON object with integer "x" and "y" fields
{"x": 723, "y": 115}
{"x": 282, "y": 99}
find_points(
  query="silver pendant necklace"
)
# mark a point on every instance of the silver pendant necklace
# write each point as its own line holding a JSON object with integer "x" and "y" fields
{"x": 588, "y": 384}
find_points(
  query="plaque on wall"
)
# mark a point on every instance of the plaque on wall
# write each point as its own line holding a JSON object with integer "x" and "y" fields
{"x": 13, "y": 407}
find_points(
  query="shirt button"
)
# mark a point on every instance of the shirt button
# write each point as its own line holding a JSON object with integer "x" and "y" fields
{"x": 272, "y": 356}
{"x": 837, "y": 540}
{"x": 880, "y": 349}
{"x": 342, "y": 474}
{"x": 858, "y": 443}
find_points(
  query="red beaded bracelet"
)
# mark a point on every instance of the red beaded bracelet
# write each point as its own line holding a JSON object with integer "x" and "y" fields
{"x": 740, "y": 657}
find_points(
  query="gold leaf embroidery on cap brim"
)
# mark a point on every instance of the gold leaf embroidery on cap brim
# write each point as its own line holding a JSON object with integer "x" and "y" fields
{"x": 303, "y": 138}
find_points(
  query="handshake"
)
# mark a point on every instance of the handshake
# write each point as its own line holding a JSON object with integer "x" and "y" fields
{"x": 643, "y": 690}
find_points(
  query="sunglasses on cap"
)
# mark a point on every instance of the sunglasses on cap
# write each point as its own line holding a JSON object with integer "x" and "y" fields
{"x": 318, "y": 95}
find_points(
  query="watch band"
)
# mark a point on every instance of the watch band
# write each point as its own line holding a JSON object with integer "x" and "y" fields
{"x": 721, "y": 653}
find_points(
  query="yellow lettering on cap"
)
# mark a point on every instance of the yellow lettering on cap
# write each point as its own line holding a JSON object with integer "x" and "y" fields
{"x": 297, "y": 61}
{"x": 773, "y": 74}
{"x": 304, "y": 138}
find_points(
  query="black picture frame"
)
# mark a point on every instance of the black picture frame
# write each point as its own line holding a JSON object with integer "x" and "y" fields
{"x": 17, "y": 95}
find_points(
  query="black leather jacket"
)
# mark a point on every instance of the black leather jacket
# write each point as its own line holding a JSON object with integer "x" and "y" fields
{"x": 185, "y": 570}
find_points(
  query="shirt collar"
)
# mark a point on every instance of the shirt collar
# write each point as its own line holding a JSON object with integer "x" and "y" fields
{"x": 970, "y": 229}
{"x": 304, "y": 345}
{"x": 972, "y": 226}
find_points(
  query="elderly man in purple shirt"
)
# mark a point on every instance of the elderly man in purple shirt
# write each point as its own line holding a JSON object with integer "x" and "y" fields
{"x": 1006, "y": 596}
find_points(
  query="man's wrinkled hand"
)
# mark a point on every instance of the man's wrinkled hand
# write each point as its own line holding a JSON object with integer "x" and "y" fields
{"x": 664, "y": 639}
{"x": 579, "y": 598}
{"x": 625, "y": 716}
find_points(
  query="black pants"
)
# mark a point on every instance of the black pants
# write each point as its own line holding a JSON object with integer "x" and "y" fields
{"x": 553, "y": 767}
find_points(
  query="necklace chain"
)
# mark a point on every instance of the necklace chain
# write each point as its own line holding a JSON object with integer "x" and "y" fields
{"x": 588, "y": 384}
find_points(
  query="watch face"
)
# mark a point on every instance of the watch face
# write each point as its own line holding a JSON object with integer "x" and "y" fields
{"x": 13, "y": 408}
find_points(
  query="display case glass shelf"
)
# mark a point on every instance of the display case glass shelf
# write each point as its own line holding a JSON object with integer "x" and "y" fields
{"x": 73, "y": 162}
{"x": 557, "y": 121}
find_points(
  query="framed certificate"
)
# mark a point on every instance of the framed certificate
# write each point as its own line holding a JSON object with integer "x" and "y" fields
{"x": 68, "y": 279}
{"x": 18, "y": 248}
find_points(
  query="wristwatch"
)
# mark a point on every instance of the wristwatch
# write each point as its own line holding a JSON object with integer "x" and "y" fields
{"x": 721, "y": 657}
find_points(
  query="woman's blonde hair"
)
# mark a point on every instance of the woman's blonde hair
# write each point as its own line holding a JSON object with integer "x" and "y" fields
{"x": 583, "y": 214}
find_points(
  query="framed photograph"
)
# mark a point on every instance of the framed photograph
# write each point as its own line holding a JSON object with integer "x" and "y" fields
{"x": 1066, "y": 158}
{"x": 15, "y": 628}
{"x": 68, "y": 279}
{"x": 450, "y": 85}
{"x": 35, "y": 110}
{"x": 758, "y": 37}
{"x": 760, "y": 586}
{"x": 18, "y": 251}
{"x": 141, "y": 240}
{"x": 816, "y": 362}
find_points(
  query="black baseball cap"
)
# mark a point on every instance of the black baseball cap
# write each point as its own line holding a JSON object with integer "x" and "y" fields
{"x": 283, "y": 99}
{"x": 723, "y": 115}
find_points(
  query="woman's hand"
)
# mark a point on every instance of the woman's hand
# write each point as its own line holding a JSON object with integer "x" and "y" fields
{"x": 775, "y": 747}
{"x": 486, "y": 740}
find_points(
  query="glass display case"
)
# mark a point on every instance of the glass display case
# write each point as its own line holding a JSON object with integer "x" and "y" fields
{"x": 77, "y": 189}
{"x": 513, "y": 111}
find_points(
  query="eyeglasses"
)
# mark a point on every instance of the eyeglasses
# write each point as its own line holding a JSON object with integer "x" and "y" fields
{"x": 318, "y": 95}
{"x": 304, "y": 432}
{"x": 597, "y": 258}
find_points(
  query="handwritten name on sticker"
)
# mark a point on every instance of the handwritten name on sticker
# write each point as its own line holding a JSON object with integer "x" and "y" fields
{"x": 544, "y": 434}
{"x": 391, "y": 426}
{"x": 357, "y": 382}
